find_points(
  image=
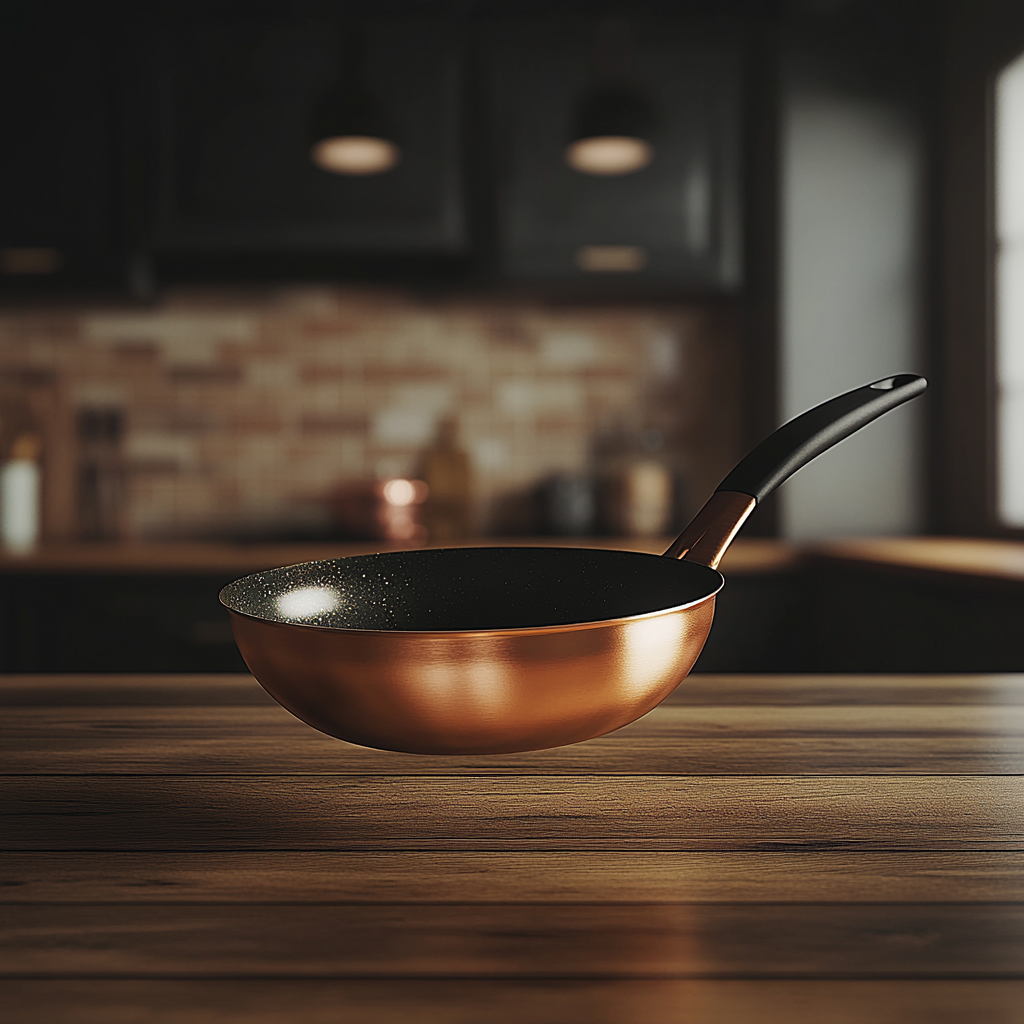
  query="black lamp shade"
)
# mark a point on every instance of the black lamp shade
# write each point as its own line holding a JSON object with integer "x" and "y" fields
{"x": 611, "y": 132}
{"x": 350, "y": 132}
{"x": 614, "y": 111}
{"x": 348, "y": 109}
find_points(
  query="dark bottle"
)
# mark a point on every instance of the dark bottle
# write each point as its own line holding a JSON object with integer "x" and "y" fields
{"x": 447, "y": 473}
{"x": 100, "y": 474}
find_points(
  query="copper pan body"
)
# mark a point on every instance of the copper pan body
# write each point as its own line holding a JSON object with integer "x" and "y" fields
{"x": 490, "y": 691}
{"x": 475, "y": 693}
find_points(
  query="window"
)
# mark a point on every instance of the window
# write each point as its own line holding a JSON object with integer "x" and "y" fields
{"x": 1009, "y": 288}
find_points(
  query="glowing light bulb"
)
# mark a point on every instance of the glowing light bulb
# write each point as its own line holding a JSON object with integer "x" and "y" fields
{"x": 609, "y": 155}
{"x": 399, "y": 492}
{"x": 357, "y": 155}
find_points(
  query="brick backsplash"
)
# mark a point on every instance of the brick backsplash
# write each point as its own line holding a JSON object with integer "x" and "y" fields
{"x": 241, "y": 409}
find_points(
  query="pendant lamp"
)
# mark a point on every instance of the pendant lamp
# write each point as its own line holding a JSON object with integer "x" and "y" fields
{"x": 612, "y": 126}
{"x": 349, "y": 130}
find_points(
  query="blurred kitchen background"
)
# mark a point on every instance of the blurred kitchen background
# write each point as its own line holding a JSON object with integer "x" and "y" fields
{"x": 236, "y": 415}
{"x": 563, "y": 263}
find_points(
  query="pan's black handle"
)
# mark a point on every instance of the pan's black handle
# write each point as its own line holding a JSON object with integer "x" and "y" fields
{"x": 778, "y": 457}
{"x": 795, "y": 443}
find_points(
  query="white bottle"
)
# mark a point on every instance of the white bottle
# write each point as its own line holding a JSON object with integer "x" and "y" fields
{"x": 19, "y": 496}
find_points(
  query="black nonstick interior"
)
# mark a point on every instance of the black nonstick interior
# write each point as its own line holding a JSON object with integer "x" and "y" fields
{"x": 456, "y": 589}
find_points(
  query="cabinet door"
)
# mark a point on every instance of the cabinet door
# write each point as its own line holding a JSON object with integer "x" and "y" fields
{"x": 57, "y": 189}
{"x": 677, "y": 221}
{"x": 235, "y": 173}
{"x": 115, "y": 623}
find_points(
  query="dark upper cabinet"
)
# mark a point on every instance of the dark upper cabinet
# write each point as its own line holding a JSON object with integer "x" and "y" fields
{"x": 234, "y": 171}
{"x": 676, "y": 222}
{"x": 59, "y": 175}
{"x": 185, "y": 137}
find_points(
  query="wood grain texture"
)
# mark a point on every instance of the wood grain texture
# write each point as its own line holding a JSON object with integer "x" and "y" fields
{"x": 672, "y": 740}
{"x": 88, "y": 690}
{"x": 470, "y": 1001}
{"x": 768, "y": 849}
{"x": 510, "y": 812}
{"x": 495, "y": 941}
{"x": 93, "y": 690}
{"x": 811, "y": 689}
{"x": 835, "y": 876}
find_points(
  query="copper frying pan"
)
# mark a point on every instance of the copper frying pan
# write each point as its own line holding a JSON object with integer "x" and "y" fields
{"x": 493, "y": 650}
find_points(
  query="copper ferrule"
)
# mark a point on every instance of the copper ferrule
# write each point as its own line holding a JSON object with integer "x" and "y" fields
{"x": 712, "y": 529}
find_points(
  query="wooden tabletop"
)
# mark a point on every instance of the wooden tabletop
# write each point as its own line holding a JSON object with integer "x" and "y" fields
{"x": 757, "y": 849}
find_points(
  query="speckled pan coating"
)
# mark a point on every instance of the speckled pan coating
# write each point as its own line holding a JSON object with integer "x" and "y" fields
{"x": 471, "y": 589}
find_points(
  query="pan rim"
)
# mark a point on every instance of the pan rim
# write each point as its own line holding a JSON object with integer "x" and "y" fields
{"x": 453, "y": 633}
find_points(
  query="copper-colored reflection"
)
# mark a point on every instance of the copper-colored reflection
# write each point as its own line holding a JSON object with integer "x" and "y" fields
{"x": 474, "y": 693}
{"x": 611, "y": 259}
{"x": 488, "y": 691}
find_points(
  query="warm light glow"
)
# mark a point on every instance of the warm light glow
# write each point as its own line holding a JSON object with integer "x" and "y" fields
{"x": 360, "y": 155}
{"x": 1009, "y": 125}
{"x": 609, "y": 155}
{"x": 30, "y": 261}
{"x": 611, "y": 259}
{"x": 655, "y": 643}
{"x": 399, "y": 492}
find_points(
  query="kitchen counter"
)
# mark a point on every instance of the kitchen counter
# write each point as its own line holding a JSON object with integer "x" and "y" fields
{"x": 951, "y": 556}
{"x": 745, "y": 555}
{"x": 771, "y": 848}
{"x": 980, "y": 557}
